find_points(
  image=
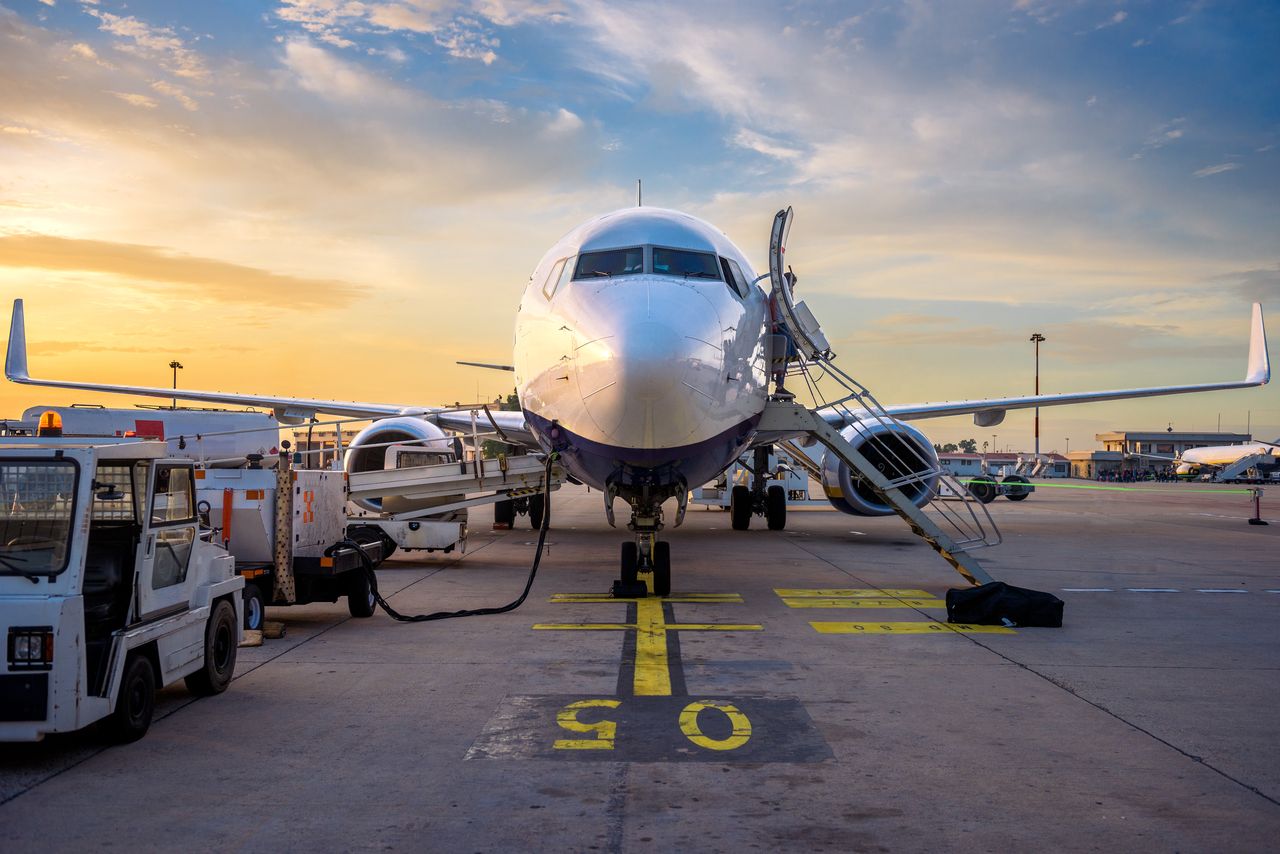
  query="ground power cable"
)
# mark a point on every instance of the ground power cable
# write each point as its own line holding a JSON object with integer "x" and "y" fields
{"x": 372, "y": 576}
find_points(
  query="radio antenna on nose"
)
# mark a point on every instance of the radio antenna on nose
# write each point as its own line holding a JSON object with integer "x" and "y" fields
{"x": 639, "y": 194}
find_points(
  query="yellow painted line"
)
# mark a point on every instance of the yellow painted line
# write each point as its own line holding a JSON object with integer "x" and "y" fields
{"x": 914, "y": 628}
{"x": 652, "y": 676}
{"x": 710, "y": 627}
{"x": 863, "y": 603}
{"x": 786, "y": 592}
{"x": 591, "y": 626}
{"x": 686, "y": 599}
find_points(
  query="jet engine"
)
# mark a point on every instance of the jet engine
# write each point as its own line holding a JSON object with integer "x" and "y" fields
{"x": 362, "y": 457}
{"x": 892, "y": 447}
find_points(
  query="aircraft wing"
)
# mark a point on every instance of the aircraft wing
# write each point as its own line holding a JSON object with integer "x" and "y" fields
{"x": 989, "y": 412}
{"x": 510, "y": 425}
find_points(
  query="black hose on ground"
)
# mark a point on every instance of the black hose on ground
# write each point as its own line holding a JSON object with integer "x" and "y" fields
{"x": 476, "y": 612}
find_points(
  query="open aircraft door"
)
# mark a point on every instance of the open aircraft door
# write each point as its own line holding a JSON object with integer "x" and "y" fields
{"x": 806, "y": 332}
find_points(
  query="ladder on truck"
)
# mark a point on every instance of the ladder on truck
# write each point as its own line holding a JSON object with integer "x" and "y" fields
{"x": 1241, "y": 467}
{"x": 951, "y": 531}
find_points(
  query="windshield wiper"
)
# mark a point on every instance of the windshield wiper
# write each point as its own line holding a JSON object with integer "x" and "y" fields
{"x": 9, "y": 564}
{"x": 700, "y": 274}
{"x": 601, "y": 273}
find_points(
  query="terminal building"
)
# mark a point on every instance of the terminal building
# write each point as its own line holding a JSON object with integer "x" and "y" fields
{"x": 1138, "y": 452}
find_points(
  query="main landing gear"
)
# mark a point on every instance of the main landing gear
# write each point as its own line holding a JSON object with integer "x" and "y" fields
{"x": 770, "y": 502}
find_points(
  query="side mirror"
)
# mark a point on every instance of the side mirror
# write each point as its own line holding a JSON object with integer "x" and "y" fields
{"x": 106, "y": 492}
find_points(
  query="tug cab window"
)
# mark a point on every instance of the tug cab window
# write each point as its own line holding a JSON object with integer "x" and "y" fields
{"x": 612, "y": 262}
{"x": 682, "y": 262}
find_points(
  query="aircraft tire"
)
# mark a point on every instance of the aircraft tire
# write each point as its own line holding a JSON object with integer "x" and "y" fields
{"x": 1016, "y": 492}
{"x": 776, "y": 508}
{"x": 984, "y": 489}
{"x": 662, "y": 569}
{"x": 740, "y": 508}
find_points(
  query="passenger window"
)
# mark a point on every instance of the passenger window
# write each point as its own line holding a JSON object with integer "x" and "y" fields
{"x": 173, "y": 552}
{"x": 553, "y": 279}
{"x": 173, "y": 501}
{"x": 613, "y": 262}
{"x": 682, "y": 262}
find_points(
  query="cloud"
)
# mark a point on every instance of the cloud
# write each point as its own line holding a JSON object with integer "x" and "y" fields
{"x": 136, "y": 99}
{"x": 1117, "y": 18}
{"x": 762, "y": 144}
{"x": 1165, "y": 134}
{"x": 175, "y": 92}
{"x": 1257, "y": 285}
{"x": 563, "y": 123}
{"x": 1216, "y": 169}
{"x": 176, "y": 274}
{"x": 319, "y": 71}
{"x": 157, "y": 42}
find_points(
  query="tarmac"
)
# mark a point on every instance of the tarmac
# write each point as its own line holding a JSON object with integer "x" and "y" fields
{"x": 799, "y": 690}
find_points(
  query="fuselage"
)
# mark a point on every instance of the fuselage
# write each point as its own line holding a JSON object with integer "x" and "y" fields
{"x": 639, "y": 351}
{"x": 1221, "y": 455}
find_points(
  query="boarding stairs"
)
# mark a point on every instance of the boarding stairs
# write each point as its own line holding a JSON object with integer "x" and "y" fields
{"x": 952, "y": 530}
{"x": 1239, "y": 470}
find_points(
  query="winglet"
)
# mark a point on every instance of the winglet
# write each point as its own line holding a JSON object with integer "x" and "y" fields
{"x": 15, "y": 362}
{"x": 1259, "y": 371}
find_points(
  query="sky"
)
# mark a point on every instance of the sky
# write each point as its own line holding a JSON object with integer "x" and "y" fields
{"x": 340, "y": 198}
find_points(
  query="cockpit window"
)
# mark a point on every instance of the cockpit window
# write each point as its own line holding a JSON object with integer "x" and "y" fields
{"x": 613, "y": 262}
{"x": 733, "y": 275}
{"x": 682, "y": 262}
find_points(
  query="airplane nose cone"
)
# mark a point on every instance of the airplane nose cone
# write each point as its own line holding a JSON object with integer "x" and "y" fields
{"x": 649, "y": 379}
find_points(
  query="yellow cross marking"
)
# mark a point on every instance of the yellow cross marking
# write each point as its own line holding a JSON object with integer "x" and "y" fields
{"x": 652, "y": 667}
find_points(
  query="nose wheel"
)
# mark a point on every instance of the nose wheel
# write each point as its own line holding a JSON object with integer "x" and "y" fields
{"x": 635, "y": 562}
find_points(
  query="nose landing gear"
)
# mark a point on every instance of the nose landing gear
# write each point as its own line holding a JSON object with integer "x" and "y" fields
{"x": 646, "y": 554}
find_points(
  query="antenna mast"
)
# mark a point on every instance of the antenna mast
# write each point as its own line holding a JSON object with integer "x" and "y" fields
{"x": 639, "y": 194}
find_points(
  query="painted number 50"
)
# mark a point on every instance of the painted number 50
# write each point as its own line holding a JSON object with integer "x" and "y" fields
{"x": 605, "y": 731}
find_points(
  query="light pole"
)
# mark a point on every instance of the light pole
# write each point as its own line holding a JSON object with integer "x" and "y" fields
{"x": 177, "y": 366}
{"x": 1068, "y": 446}
{"x": 1036, "y": 338}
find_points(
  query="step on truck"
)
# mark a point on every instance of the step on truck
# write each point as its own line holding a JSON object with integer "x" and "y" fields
{"x": 107, "y": 589}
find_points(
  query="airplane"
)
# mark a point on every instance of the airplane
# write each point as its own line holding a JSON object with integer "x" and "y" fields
{"x": 1190, "y": 462}
{"x": 645, "y": 353}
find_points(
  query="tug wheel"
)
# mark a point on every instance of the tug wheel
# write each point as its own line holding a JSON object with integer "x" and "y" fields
{"x": 136, "y": 702}
{"x": 220, "y": 641}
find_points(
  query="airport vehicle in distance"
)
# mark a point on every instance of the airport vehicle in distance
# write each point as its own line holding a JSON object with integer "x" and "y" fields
{"x": 107, "y": 590}
{"x": 647, "y": 357}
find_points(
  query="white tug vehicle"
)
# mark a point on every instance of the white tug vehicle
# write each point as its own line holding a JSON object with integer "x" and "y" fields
{"x": 107, "y": 589}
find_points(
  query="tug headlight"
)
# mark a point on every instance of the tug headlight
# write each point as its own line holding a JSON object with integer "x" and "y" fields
{"x": 30, "y": 648}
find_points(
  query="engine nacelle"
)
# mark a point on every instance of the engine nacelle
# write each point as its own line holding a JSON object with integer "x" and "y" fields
{"x": 888, "y": 446}
{"x": 361, "y": 457}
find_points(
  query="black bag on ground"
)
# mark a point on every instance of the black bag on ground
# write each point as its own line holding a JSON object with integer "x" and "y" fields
{"x": 995, "y": 603}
